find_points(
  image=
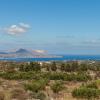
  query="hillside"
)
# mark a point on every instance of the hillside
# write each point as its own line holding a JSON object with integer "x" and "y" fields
{"x": 23, "y": 53}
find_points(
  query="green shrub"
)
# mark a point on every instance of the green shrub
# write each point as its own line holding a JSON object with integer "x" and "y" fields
{"x": 76, "y": 77}
{"x": 36, "y": 85}
{"x": 32, "y": 66}
{"x": 56, "y": 76}
{"x": 86, "y": 93}
{"x": 39, "y": 95}
{"x": 57, "y": 87}
{"x": 82, "y": 77}
{"x": 53, "y": 66}
{"x": 83, "y": 67}
{"x": 24, "y": 75}
{"x": 69, "y": 77}
{"x": 92, "y": 85}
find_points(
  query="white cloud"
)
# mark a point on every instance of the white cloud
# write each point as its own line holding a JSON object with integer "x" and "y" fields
{"x": 24, "y": 25}
{"x": 17, "y": 29}
{"x": 91, "y": 42}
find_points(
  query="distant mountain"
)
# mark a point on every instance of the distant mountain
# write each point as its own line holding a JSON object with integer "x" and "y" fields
{"x": 23, "y": 53}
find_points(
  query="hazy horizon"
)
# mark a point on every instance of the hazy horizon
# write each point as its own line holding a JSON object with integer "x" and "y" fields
{"x": 57, "y": 26}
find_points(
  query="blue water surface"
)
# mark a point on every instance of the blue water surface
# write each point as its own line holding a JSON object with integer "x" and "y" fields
{"x": 63, "y": 58}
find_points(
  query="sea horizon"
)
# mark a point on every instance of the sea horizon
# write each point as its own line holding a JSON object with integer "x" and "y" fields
{"x": 63, "y": 58}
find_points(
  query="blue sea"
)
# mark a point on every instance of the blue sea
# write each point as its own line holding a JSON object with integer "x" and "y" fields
{"x": 63, "y": 58}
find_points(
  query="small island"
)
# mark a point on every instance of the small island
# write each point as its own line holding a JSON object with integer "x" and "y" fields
{"x": 23, "y": 53}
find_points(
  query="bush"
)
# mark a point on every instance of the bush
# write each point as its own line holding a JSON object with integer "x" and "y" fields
{"x": 92, "y": 85}
{"x": 39, "y": 95}
{"x": 83, "y": 77}
{"x": 33, "y": 66}
{"x": 83, "y": 67}
{"x": 69, "y": 77}
{"x": 17, "y": 75}
{"x": 56, "y": 76}
{"x": 86, "y": 93}
{"x": 97, "y": 82}
{"x": 62, "y": 67}
{"x": 69, "y": 67}
{"x": 77, "y": 77}
{"x": 57, "y": 87}
{"x": 23, "y": 75}
{"x": 53, "y": 66}
{"x": 39, "y": 75}
{"x": 36, "y": 86}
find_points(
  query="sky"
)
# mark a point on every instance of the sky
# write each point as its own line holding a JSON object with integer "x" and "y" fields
{"x": 58, "y": 26}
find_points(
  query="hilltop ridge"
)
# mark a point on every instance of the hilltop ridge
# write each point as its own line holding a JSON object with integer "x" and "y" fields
{"x": 24, "y": 53}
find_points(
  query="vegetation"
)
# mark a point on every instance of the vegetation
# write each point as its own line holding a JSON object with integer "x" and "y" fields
{"x": 69, "y": 77}
{"x": 36, "y": 85}
{"x": 57, "y": 87}
{"x": 44, "y": 80}
{"x": 86, "y": 93}
{"x": 53, "y": 66}
{"x": 39, "y": 95}
{"x": 32, "y": 66}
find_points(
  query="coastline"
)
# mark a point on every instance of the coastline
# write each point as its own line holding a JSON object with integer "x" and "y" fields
{"x": 55, "y": 58}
